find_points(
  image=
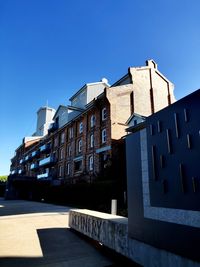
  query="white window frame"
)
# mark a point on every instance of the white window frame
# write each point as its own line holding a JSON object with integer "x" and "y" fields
{"x": 81, "y": 127}
{"x": 62, "y": 138}
{"x": 62, "y": 153}
{"x": 92, "y": 121}
{"x": 56, "y": 141}
{"x": 92, "y": 140}
{"x": 81, "y": 165}
{"x": 60, "y": 170}
{"x": 91, "y": 163}
{"x": 103, "y": 136}
{"x": 103, "y": 114}
{"x": 71, "y": 132}
{"x": 80, "y": 143}
{"x": 68, "y": 168}
{"x": 69, "y": 150}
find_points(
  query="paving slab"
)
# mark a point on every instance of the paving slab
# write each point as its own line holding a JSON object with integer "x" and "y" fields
{"x": 37, "y": 234}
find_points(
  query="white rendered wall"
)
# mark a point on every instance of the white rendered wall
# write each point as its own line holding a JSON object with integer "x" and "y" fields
{"x": 44, "y": 118}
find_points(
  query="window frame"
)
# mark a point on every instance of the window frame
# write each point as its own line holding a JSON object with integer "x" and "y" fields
{"x": 56, "y": 141}
{"x": 80, "y": 163}
{"x": 68, "y": 168}
{"x": 62, "y": 138}
{"x": 60, "y": 172}
{"x": 104, "y": 114}
{"x": 91, "y": 163}
{"x": 69, "y": 150}
{"x": 81, "y": 127}
{"x": 62, "y": 153}
{"x": 80, "y": 145}
{"x": 71, "y": 132}
{"x": 92, "y": 140}
{"x": 92, "y": 120}
{"x": 103, "y": 136}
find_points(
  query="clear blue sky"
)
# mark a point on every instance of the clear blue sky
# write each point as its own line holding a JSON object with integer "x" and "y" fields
{"x": 50, "y": 48}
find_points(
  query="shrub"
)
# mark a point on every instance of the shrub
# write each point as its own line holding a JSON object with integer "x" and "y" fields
{"x": 3, "y": 178}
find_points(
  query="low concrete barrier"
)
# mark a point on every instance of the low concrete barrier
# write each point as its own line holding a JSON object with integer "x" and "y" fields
{"x": 112, "y": 231}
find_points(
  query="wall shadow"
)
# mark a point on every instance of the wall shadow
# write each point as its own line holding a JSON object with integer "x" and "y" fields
{"x": 65, "y": 247}
{"x": 19, "y": 207}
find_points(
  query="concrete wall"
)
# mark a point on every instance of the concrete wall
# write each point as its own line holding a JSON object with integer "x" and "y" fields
{"x": 119, "y": 99}
{"x": 44, "y": 119}
{"x": 152, "y": 91}
{"x": 87, "y": 94}
{"x": 93, "y": 90}
{"x": 163, "y": 179}
{"x": 112, "y": 232}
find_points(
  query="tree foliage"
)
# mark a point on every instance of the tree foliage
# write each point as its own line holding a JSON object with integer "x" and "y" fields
{"x": 3, "y": 178}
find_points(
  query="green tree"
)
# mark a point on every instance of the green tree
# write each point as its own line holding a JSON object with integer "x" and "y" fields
{"x": 3, "y": 178}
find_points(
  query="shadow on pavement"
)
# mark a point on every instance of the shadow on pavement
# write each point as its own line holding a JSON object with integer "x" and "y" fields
{"x": 117, "y": 259}
{"x": 62, "y": 247}
{"x": 18, "y": 207}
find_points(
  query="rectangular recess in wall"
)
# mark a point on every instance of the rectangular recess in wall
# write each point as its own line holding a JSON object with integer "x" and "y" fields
{"x": 153, "y": 152}
{"x": 194, "y": 184}
{"x": 164, "y": 184}
{"x": 181, "y": 173}
{"x": 168, "y": 141}
{"x": 176, "y": 124}
{"x": 159, "y": 126}
{"x": 162, "y": 161}
{"x": 185, "y": 114}
{"x": 189, "y": 141}
{"x": 151, "y": 129}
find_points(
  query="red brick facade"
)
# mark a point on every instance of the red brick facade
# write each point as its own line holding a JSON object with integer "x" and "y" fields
{"x": 83, "y": 147}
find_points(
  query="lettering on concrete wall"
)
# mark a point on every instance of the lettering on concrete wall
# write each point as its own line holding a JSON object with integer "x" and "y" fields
{"x": 91, "y": 226}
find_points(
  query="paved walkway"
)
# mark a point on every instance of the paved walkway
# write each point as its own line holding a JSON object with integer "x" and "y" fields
{"x": 36, "y": 234}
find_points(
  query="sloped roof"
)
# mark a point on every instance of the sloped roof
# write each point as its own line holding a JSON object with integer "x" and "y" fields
{"x": 135, "y": 115}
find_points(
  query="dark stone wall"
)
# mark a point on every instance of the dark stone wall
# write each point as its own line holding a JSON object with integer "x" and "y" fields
{"x": 173, "y": 179}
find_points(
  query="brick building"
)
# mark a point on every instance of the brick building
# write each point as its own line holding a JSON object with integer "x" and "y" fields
{"x": 81, "y": 141}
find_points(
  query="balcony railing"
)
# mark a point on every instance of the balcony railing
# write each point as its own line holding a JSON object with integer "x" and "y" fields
{"x": 45, "y": 148}
{"x": 47, "y": 161}
{"x": 21, "y": 161}
{"x": 35, "y": 153}
{"x": 34, "y": 166}
{"x": 43, "y": 175}
{"x": 28, "y": 157}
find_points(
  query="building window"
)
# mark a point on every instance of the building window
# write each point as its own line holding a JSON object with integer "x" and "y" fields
{"x": 103, "y": 136}
{"x": 60, "y": 171}
{"x": 92, "y": 140}
{"x": 62, "y": 139}
{"x": 62, "y": 153}
{"x": 69, "y": 150}
{"x": 92, "y": 121}
{"x": 56, "y": 142}
{"x": 103, "y": 114}
{"x": 79, "y": 145}
{"x": 80, "y": 127}
{"x": 91, "y": 163}
{"x": 78, "y": 165}
{"x": 54, "y": 156}
{"x": 68, "y": 169}
{"x": 71, "y": 133}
